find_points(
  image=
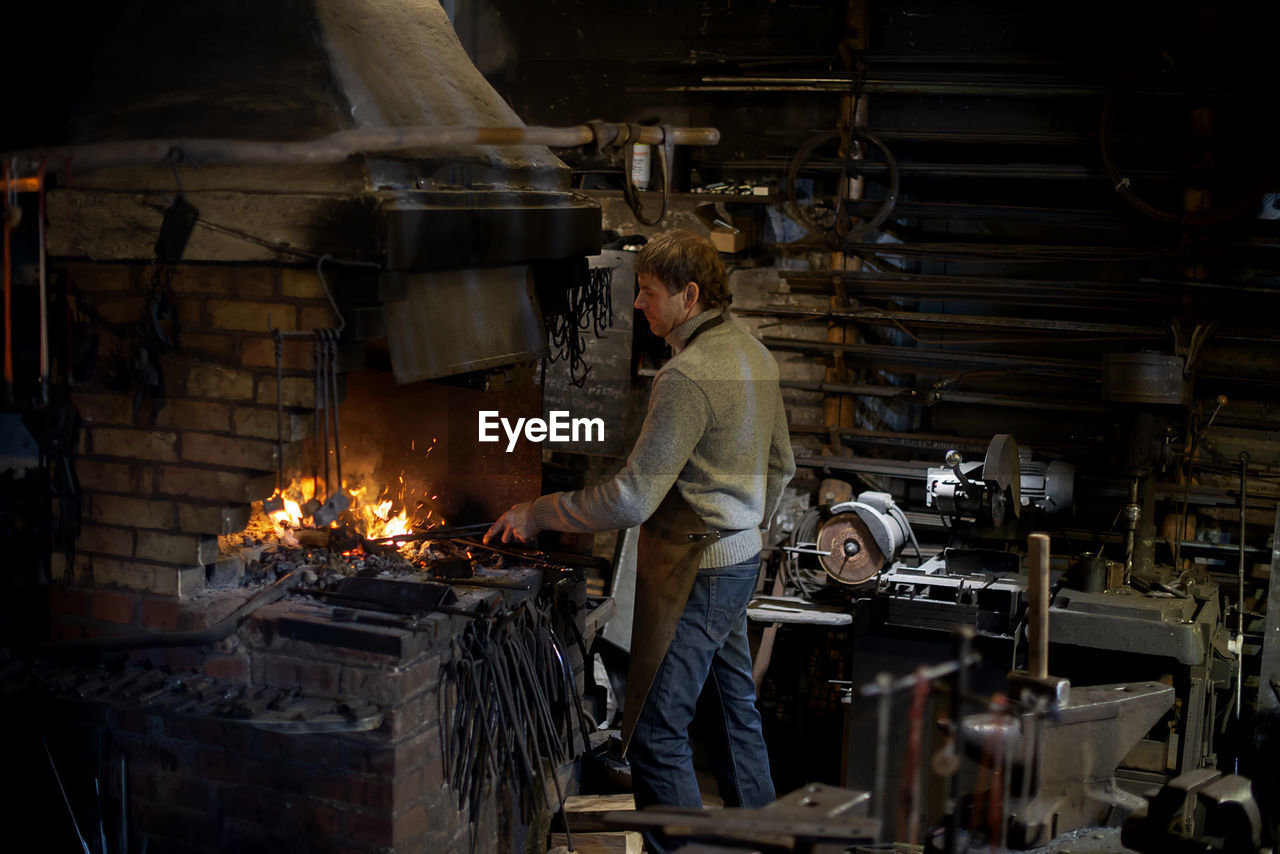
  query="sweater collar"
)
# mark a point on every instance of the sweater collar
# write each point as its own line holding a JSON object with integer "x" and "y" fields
{"x": 680, "y": 336}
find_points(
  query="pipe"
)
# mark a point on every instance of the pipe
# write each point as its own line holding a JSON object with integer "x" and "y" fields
{"x": 337, "y": 147}
{"x": 1038, "y": 606}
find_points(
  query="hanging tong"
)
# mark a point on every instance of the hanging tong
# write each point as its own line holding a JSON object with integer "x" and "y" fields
{"x": 275, "y": 503}
{"x": 12, "y": 217}
{"x": 325, "y": 363}
{"x": 448, "y": 532}
{"x": 338, "y": 500}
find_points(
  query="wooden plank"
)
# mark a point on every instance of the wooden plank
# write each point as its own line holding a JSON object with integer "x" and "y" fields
{"x": 579, "y": 804}
{"x": 624, "y": 842}
{"x": 585, "y": 813}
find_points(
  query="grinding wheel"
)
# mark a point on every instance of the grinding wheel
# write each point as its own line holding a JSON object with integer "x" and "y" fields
{"x": 851, "y": 554}
{"x": 1003, "y": 466}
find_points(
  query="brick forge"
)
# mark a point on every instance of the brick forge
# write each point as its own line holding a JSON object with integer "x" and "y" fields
{"x": 194, "y": 783}
{"x": 157, "y": 496}
{"x": 158, "y": 492}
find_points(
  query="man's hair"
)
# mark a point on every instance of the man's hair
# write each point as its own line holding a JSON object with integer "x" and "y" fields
{"x": 678, "y": 257}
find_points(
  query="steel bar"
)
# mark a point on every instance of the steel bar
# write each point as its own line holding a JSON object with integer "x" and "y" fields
{"x": 362, "y": 604}
{"x": 1019, "y": 252}
{"x": 943, "y": 361}
{"x": 1038, "y": 606}
{"x": 337, "y": 147}
{"x": 1043, "y": 294}
{"x": 963, "y": 636}
{"x": 986, "y": 171}
{"x": 1150, "y": 289}
{"x": 928, "y": 442}
{"x": 962, "y": 137}
{"x": 448, "y": 532}
{"x": 930, "y": 397}
{"x": 1244, "y": 498}
{"x": 912, "y": 470}
{"x": 1007, "y": 213}
{"x": 922, "y": 674}
{"x": 989, "y": 86}
{"x": 884, "y": 682}
{"x": 958, "y": 321}
{"x": 889, "y": 438}
{"x": 1132, "y": 509}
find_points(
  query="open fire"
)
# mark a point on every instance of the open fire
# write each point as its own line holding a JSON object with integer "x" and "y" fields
{"x": 374, "y": 519}
{"x": 383, "y": 531}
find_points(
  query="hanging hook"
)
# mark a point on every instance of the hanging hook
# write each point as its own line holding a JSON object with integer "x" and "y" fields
{"x": 342, "y": 321}
{"x": 173, "y": 158}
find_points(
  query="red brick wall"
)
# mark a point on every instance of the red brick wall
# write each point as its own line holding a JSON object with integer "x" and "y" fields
{"x": 212, "y": 786}
{"x": 157, "y": 495}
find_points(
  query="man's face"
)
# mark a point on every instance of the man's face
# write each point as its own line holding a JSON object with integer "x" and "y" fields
{"x": 663, "y": 309}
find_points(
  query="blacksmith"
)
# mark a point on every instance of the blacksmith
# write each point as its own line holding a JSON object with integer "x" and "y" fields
{"x": 706, "y": 472}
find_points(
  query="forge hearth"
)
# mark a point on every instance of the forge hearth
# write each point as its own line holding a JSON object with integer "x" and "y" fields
{"x": 339, "y": 738}
{"x": 188, "y": 418}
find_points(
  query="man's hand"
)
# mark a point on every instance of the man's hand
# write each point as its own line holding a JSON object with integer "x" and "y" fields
{"x": 516, "y": 524}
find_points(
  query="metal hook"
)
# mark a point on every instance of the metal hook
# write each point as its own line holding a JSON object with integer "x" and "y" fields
{"x": 342, "y": 321}
{"x": 175, "y": 156}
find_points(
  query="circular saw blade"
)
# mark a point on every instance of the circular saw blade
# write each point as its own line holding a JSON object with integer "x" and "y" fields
{"x": 1003, "y": 466}
{"x": 851, "y": 554}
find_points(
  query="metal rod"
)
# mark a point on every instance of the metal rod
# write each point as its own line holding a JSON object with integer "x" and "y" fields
{"x": 337, "y": 147}
{"x": 801, "y": 550}
{"x": 442, "y": 533}
{"x": 981, "y": 85}
{"x": 923, "y": 674}
{"x": 1038, "y": 606}
{"x": 1132, "y": 514}
{"x": 956, "y": 321}
{"x": 331, "y": 351}
{"x": 279, "y": 351}
{"x": 924, "y": 398}
{"x": 361, "y": 603}
{"x": 1244, "y": 493}
{"x": 1147, "y": 290}
{"x": 951, "y": 360}
{"x": 884, "y": 684}
{"x": 963, "y": 637}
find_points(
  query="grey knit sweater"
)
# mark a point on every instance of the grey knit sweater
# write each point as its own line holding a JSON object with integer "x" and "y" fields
{"x": 716, "y": 428}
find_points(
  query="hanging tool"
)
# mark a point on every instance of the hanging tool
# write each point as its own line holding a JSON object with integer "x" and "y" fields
{"x": 156, "y": 332}
{"x": 12, "y": 216}
{"x": 325, "y": 365}
{"x": 43, "y": 399}
{"x": 319, "y": 430}
{"x": 275, "y": 503}
{"x": 337, "y": 500}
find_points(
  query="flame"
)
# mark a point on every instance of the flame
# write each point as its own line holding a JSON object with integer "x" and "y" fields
{"x": 376, "y": 516}
{"x": 299, "y": 492}
{"x": 378, "y": 520}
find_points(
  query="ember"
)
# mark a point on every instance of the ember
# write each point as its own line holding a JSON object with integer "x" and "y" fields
{"x": 361, "y": 541}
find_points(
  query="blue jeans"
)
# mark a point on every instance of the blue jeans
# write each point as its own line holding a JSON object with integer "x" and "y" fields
{"x": 710, "y": 648}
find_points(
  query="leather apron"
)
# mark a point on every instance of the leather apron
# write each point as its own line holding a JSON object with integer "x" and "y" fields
{"x": 668, "y": 554}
